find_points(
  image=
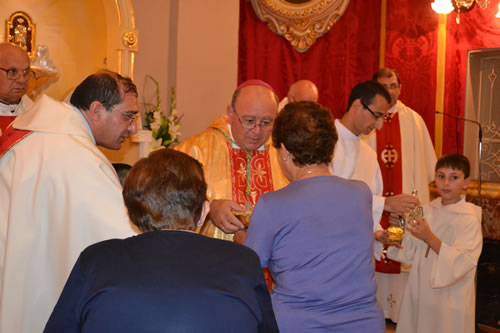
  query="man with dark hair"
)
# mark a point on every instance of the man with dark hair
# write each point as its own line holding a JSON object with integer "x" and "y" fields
{"x": 406, "y": 157}
{"x": 73, "y": 193}
{"x": 354, "y": 159}
{"x": 239, "y": 162}
{"x": 15, "y": 74}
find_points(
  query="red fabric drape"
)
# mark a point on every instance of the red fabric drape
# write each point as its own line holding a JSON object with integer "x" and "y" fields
{"x": 349, "y": 54}
{"x": 411, "y": 49}
{"x": 345, "y": 56}
{"x": 477, "y": 29}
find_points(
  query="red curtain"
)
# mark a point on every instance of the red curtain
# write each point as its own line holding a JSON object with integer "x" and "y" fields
{"x": 411, "y": 49}
{"x": 336, "y": 62}
{"x": 477, "y": 29}
{"x": 349, "y": 54}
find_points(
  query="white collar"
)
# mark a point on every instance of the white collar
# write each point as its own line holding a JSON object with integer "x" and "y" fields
{"x": 10, "y": 109}
{"x": 345, "y": 132}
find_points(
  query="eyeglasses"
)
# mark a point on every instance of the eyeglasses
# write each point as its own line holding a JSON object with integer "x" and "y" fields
{"x": 13, "y": 73}
{"x": 251, "y": 123}
{"x": 376, "y": 115}
{"x": 131, "y": 116}
{"x": 392, "y": 86}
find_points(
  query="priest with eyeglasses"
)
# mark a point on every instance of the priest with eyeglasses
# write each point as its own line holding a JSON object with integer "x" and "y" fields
{"x": 15, "y": 73}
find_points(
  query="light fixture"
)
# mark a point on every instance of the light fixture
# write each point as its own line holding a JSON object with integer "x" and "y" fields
{"x": 442, "y": 6}
{"x": 446, "y": 6}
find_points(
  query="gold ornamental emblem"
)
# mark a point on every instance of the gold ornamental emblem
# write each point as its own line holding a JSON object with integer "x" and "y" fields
{"x": 389, "y": 156}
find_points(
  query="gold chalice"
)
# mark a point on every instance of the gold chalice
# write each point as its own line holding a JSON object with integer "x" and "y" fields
{"x": 244, "y": 217}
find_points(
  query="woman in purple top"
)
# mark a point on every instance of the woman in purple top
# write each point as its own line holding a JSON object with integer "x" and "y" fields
{"x": 316, "y": 234}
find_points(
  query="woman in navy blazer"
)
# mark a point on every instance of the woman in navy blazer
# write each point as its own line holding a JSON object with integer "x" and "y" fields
{"x": 169, "y": 278}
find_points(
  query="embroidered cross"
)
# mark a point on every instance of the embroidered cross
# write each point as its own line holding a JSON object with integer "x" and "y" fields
{"x": 391, "y": 300}
{"x": 389, "y": 156}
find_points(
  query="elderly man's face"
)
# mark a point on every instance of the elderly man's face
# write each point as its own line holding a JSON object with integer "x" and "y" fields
{"x": 118, "y": 123}
{"x": 257, "y": 105}
{"x": 13, "y": 58}
{"x": 392, "y": 86}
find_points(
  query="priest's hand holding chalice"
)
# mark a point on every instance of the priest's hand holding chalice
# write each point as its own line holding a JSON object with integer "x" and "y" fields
{"x": 399, "y": 222}
{"x": 230, "y": 217}
{"x": 244, "y": 217}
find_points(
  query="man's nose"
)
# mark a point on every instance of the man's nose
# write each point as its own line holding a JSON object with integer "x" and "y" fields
{"x": 133, "y": 127}
{"x": 379, "y": 123}
{"x": 22, "y": 79}
{"x": 257, "y": 129}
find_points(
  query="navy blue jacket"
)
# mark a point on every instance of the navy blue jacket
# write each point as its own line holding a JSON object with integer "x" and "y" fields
{"x": 165, "y": 281}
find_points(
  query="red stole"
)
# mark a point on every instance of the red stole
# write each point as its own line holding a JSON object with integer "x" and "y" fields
{"x": 257, "y": 166}
{"x": 389, "y": 158}
{"x": 9, "y": 136}
{"x": 250, "y": 178}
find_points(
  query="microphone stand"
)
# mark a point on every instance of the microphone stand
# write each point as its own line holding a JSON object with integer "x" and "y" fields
{"x": 480, "y": 146}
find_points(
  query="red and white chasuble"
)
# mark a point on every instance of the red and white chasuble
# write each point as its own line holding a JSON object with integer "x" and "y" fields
{"x": 226, "y": 171}
{"x": 389, "y": 158}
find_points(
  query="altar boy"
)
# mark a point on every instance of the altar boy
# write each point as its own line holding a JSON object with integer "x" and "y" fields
{"x": 443, "y": 249}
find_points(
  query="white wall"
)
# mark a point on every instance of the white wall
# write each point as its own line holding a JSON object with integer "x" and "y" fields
{"x": 192, "y": 44}
{"x": 207, "y": 63}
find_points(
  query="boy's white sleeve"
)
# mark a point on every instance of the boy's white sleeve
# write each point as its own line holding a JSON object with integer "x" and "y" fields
{"x": 457, "y": 260}
{"x": 407, "y": 253}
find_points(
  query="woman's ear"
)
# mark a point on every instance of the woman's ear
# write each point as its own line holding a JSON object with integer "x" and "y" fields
{"x": 204, "y": 212}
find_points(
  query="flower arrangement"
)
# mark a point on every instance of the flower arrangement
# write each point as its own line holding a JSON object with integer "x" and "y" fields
{"x": 165, "y": 130}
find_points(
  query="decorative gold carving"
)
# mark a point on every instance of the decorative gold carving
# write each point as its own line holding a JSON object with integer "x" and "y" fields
{"x": 300, "y": 22}
{"x": 20, "y": 31}
{"x": 129, "y": 39}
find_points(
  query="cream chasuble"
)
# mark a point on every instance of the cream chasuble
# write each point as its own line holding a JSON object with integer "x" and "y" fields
{"x": 58, "y": 194}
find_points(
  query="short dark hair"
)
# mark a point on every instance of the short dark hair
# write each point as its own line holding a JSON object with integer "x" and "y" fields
{"x": 307, "y": 130}
{"x": 366, "y": 92}
{"x": 456, "y": 162}
{"x": 386, "y": 72}
{"x": 122, "y": 170}
{"x": 166, "y": 190}
{"x": 104, "y": 86}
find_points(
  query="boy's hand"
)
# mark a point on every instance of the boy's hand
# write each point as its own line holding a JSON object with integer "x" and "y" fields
{"x": 420, "y": 229}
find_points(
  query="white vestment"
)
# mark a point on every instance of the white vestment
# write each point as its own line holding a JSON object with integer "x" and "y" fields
{"x": 354, "y": 159}
{"x": 418, "y": 163}
{"x": 58, "y": 194}
{"x": 441, "y": 295}
{"x": 16, "y": 109}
